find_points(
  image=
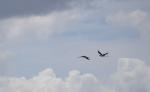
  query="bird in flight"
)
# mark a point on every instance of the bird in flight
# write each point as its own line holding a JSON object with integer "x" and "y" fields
{"x": 85, "y": 57}
{"x": 101, "y": 54}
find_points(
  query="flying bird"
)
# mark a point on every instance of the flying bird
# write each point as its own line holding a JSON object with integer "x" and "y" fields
{"x": 85, "y": 57}
{"x": 101, "y": 54}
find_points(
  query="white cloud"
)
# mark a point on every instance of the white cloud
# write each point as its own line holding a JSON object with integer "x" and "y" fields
{"x": 127, "y": 18}
{"x": 46, "y": 81}
{"x": 132, "y": 76}
{"x": 138, "y": 19}
{"x": 41, "y": 26}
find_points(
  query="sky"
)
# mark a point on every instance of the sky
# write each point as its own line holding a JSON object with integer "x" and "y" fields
{"x": 41, "y": 42}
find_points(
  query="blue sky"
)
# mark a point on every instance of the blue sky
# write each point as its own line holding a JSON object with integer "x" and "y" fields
{"x": 54, "y": 35}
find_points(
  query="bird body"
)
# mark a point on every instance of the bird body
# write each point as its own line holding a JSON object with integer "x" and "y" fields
{"x": 102, "y": 55}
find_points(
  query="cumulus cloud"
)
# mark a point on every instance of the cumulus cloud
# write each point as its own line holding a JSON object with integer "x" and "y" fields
{"x": 46, "y": 81}
{"x": 132, "y": 75}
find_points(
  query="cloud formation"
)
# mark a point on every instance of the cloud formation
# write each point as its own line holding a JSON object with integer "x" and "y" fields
{"x": 137, "y": 18}
{"x": 128, "y": 18}
{"x": 48, "y": 82}
{"x": 37, "y": 7}
{"x": 31, "y": 7}
{"x": 132, "y": 75}
{"x": 60, "y": 13}
{"x": 41, "y": 26}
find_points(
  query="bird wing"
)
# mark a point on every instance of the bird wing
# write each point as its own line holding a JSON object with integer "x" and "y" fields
{"x": 100, "y": 53}
{"x": 85, "y": 57}
{"x": 105, "y": 53}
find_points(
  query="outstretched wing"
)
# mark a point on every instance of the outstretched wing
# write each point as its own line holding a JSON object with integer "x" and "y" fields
{"x": 85, "y": 57}
{"x": 100, "y": 53}
{"x": 105, "y": 53}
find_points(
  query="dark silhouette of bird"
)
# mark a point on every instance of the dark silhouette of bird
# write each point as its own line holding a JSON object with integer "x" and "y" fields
{"x": 85, "y": 57}
{"x": 101, "y": 54}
